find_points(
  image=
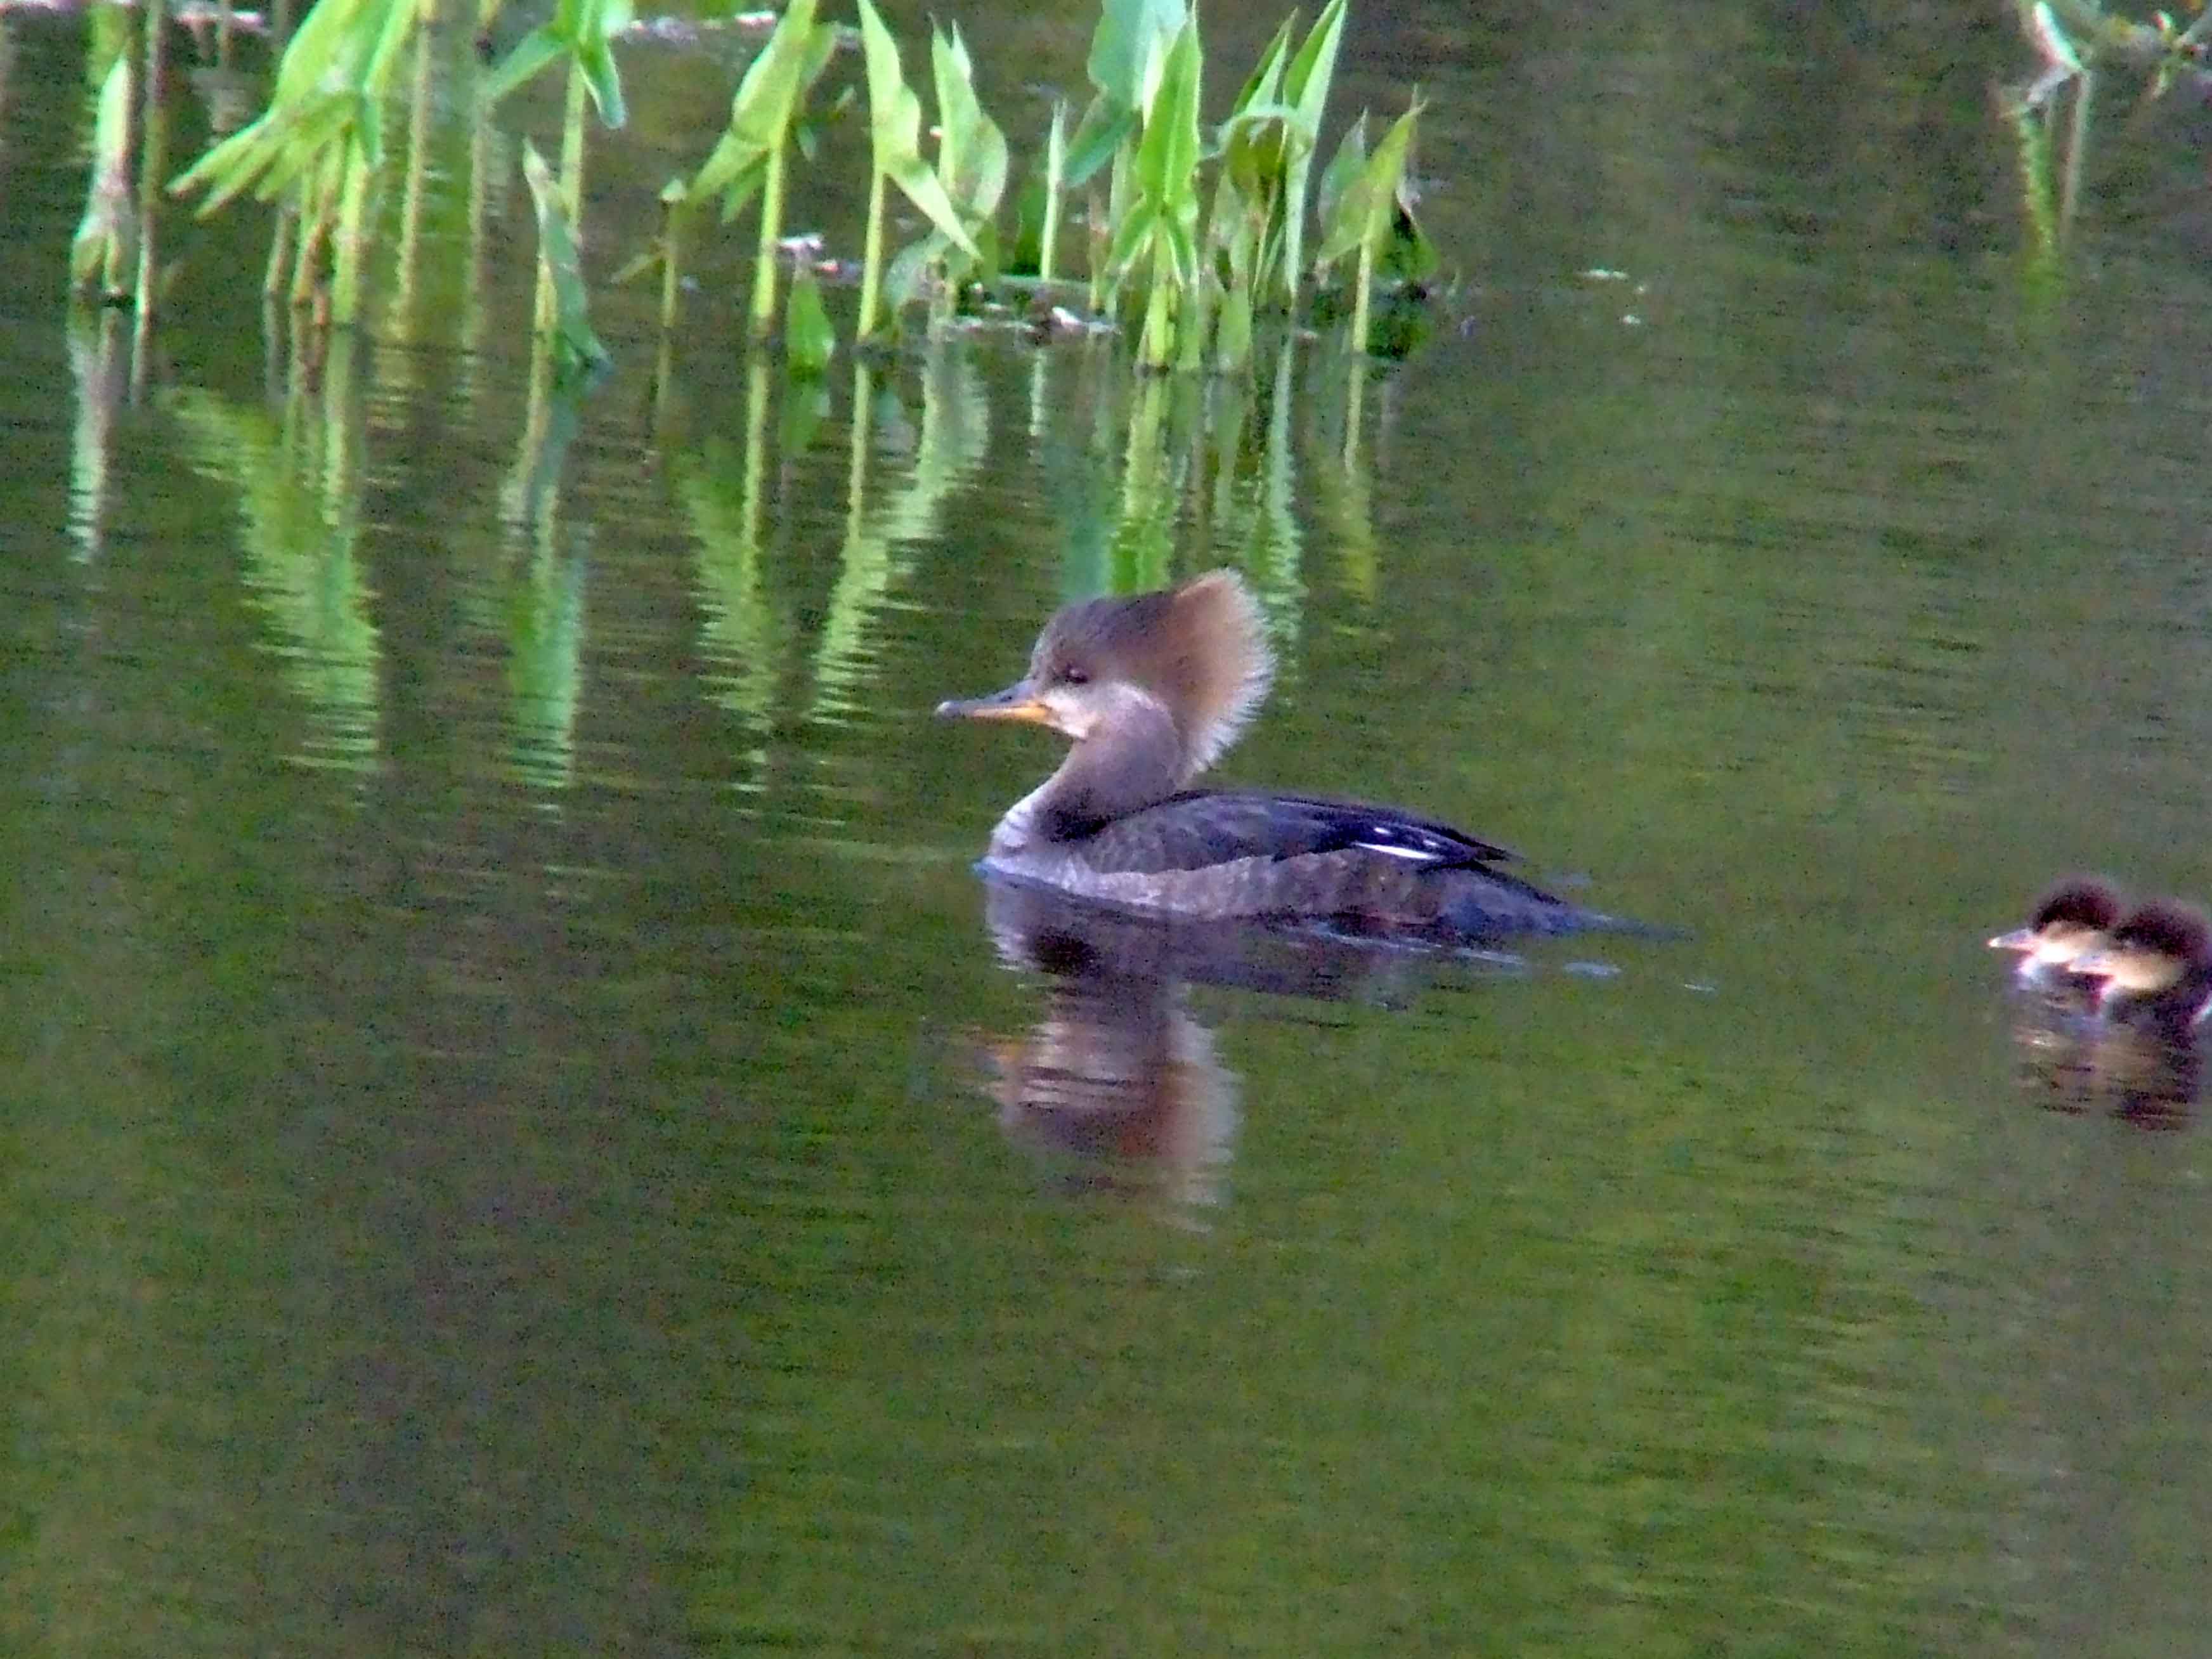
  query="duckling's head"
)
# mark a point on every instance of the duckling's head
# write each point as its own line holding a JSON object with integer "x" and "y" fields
{"x": 2160, "y": 948}
{"x": 2069, "y": 922}
{"x": 1189, "y": 664}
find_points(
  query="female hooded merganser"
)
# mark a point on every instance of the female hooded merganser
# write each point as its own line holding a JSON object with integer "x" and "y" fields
{"x": 1152, "y": 689}
{"x": 2156, "y": 969}
{"x": 2069, "y": 922}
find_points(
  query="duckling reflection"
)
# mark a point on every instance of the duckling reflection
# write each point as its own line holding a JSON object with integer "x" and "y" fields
{"x": 1118, "y": 1086}
{"x": 2145, "y": 1076}
{"x": 2156, "y": 972}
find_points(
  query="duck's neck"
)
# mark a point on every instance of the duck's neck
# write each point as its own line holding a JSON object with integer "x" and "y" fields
{"x": 1131, "y": 762}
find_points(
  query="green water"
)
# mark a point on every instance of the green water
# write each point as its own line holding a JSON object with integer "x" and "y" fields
{"x": 514, "y": 1137}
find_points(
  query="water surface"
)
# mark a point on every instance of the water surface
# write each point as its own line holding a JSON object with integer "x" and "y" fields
{"x": 523, "y": 1136}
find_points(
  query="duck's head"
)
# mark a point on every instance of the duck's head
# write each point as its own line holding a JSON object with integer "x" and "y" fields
{"x": 1180, "y": 672}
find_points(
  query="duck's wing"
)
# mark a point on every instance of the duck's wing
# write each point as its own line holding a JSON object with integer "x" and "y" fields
{"x": 1203, "y": 828}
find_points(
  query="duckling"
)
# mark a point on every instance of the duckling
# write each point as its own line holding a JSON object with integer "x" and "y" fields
{"x": 2072, "y": 919}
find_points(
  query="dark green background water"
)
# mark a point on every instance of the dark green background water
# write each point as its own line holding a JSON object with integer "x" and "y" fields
{"x": 496, "y": 1144}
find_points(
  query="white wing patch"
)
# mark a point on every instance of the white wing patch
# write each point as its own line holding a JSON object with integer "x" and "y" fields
{"x": 1402, "y": 842}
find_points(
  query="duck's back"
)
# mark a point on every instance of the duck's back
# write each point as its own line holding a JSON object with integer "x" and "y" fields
{"x": 1229, "y": 853}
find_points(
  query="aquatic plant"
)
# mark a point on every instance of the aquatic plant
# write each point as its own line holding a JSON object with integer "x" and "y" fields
{"x": 100, "y": 251}
{"x": 320, "y": 144}
{"x": 1365, "y": 211}
{"x": 749, "y": 158}
{"x": 1198, "y": 232}
{"x": 569, "y": 329}
{"x": 895, "y": 140}
{"x": 580, "y": 33}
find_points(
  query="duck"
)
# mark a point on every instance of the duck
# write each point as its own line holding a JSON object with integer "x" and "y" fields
{"x": 1151, "y": 689}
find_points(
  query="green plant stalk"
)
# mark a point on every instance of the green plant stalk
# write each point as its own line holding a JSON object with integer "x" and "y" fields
{"x": 153, "y": 155}
{"x": 1156, "y": 348}
{"x": 572, "y": 192}
{"x": 307, "y": 255}
{"x": 2077, "y": 146}
{"x": 1101, "y": 239}
{"x": 571, "y": 148}
{"x": 101, "y": 252}
{"x": 1363, "y": 290}
{"x": 352, "y": 237}
{"x": 1104, "y": 291}
{"x": 755, "y": 472}
{"x": 281, "y": 241}
{"x": 1055, "y": 166}
{"x": 1192, "y": 318}
{"x": 1312, "y": 96}
{"x": 771, "y": 229}
{"x": 856, "y": 468}
{"x": 1355, "y": 393}
{"x": 672, "y": 251}
{"x": 871, "y": 256}
{"x": 418, "y": 166}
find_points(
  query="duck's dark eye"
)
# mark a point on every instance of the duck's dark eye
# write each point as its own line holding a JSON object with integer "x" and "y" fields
{"x": 1075, "y": 677}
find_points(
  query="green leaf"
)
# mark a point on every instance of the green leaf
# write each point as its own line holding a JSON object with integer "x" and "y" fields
{"x": 1363, "y": 209}
{"x": 737, "y": 169}
{"x": 1305, "y": 84}
{"x": 266, "y": 156}
{"x": 1129, "y": 36}
{"x": 396, "y": 27}
{"x": 1167, "y": 155}
{"x": 532, "y": 53}
{"x": 1259, "y": 88}
{"x": 1408, "y": 255}
{"x": 809, "y": 341}
{"x": 556, "y": 245}
{"x": 902, "y": 277}
{"x": 971, "y": 157}
{"x": 919, "y": 183}
{"x": 325, "y": 52}
{"x": 762, "y": 110}
{"x": 895, "y": 131}
{"x": 1182, "y": 252}
{"x": 799, "y": 415}
{"x": 1305, "y": 88}
{"x": 1257, "y": 145}
{"x": 1343, "y": 170}
{"x": 595, "y": 61}
{"x": 1104, "y": 128}
{"x": 1133, "y": 234}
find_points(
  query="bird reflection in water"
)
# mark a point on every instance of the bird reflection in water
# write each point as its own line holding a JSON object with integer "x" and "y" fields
{"x": 1117, "y": 1086}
